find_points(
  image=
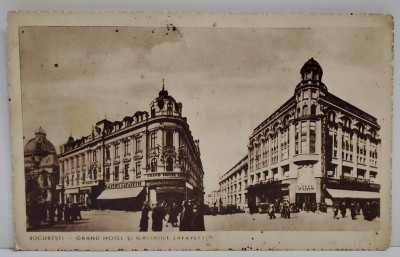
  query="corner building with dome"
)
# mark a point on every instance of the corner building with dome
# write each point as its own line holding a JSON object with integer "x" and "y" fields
{"x": 315, "y": 148}
{"x": 145, "y": 157}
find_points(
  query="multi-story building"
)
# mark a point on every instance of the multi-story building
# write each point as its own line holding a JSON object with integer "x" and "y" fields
{"x": 213, "y": 198}
{"x": 233, "y": 185}
{"x": 41, "y": 177}
{"x": 144, "y": 157}
{"x": 315, "y": 148}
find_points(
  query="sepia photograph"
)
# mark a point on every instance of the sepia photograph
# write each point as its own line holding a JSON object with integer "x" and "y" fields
{"x": 199, "y": 126}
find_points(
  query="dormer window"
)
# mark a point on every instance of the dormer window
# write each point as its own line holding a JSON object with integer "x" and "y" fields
{"x": 169, "y": 109}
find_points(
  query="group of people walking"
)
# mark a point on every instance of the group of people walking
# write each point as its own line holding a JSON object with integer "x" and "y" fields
{"x": 52, "y": 213}
{"x": 370, "y": 210}
{"x": 190, "y": 213}
{"x": 282, "y": 207}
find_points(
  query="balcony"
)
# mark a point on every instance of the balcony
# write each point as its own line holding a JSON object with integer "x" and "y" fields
{"x": 138, "y": 155}
{"x": 307, "y": 157}
{"x": 165, "y": 175}
{"x": 127, "y": 157}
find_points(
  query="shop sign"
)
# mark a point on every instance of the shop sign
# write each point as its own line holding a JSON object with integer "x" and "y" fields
{"x": 302, "y": 187}
{"x": 123, "y": 185}
{"x": 165, "y": 183}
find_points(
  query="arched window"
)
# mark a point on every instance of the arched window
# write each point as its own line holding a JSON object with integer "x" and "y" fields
{"x": 153, "y": 111}
{"x": 298, "y": 112}
{"x": 305, "y": 110}
{"x": 154, "y": 165}
{"x": 170, "y": 164}
{"x": 313, "y": 109}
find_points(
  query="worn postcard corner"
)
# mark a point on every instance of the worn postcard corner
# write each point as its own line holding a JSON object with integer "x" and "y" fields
{"x": 176, "y": 131}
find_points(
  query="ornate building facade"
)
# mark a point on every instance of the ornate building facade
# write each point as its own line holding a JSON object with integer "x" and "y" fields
{"x": 41, "y": 177}
{"x": 145, "y": 157}
{"x": 315, "y": 148}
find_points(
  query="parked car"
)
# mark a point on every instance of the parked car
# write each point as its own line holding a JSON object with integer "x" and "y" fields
{"x": 263, "y": 208}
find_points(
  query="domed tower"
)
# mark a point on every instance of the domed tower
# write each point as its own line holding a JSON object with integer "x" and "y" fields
{"x": 165, "y": 104}
{"x": 41, "y": 176}
{"x": 36, "y": 149}
{"x": 309, "y": 89}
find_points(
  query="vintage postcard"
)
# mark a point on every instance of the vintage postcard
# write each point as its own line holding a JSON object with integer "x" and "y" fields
{"x": 188, "y": 131}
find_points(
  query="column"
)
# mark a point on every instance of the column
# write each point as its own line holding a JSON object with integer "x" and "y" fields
{"x": 367, "y": 158}
{"x": 355, "y": 159}
{"x": 340, "y": 151}
{"x": 279, "y": 146}
{"x": 112, "y": 157}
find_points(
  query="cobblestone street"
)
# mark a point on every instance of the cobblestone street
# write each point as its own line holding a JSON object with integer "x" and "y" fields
{"x": 129, "y": 221}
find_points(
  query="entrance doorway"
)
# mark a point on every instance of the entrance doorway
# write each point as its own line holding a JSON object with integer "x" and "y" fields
{"x": 305, "y": 199}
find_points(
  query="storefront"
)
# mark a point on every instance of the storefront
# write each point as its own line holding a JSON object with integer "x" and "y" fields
{"x": 267, "y": 191}
{"x": 168, "y": 191}
{"x": 127, "y": 196}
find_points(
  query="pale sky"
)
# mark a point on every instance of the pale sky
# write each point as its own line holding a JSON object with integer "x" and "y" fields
{"x": 228, "y": 80}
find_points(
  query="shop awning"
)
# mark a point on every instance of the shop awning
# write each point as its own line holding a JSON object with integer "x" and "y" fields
{"x": 337, "y": 193}
{"x": 120, "y": 193}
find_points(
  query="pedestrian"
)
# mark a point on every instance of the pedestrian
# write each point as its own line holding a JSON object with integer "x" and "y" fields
{"x": 367, "y": 211}
{"x": 271, "y": 211}
{"x": 303, "y": 207}
{"x": 198, "y": 218}
{"x": 173, "y": 215}
{"x": 353, "y": 210}
{"x": 186, "y": 217}
{"x": 335, "y": 207}
{"x": 343, "y": 209}
{"x": 68, "y": 214}
{"x": 144, "y": 220}
{"x": 60, "y": 209}
{"x": 157, "y": 217}
{"x": 52, "y": 210}
{"x": 358, "y": 208}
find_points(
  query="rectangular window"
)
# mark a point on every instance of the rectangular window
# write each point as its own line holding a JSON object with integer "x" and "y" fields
{"x": 153, "y": 138}
{"x": 108, "y": 154}
{"x": 83, "y": 177}
{"x": 304, "y": 143}
{"x": 312, "y": 138}
{"x": 170, "y": 139}
{"x": 116, "y": 173}
{"x": 77, "y": 179}
{"x": 126, "y": 171}
{"x": 72, "y": 180}
{"x": 107, "y": 174}
{"x": 137, "y": 144}
{"x": 83, "y": 159}
{"x": 126, "y": 147}
{"x": 94, "y": 155}
{"x": 116, "y": 150}
{"x": 138, "y": 169}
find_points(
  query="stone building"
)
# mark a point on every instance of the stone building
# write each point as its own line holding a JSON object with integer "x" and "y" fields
{"x": 315, "y": 148}
{"x": 233, "y": 184}
{"x": 41, "y": 177}
{"x": 145, "y": 157}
